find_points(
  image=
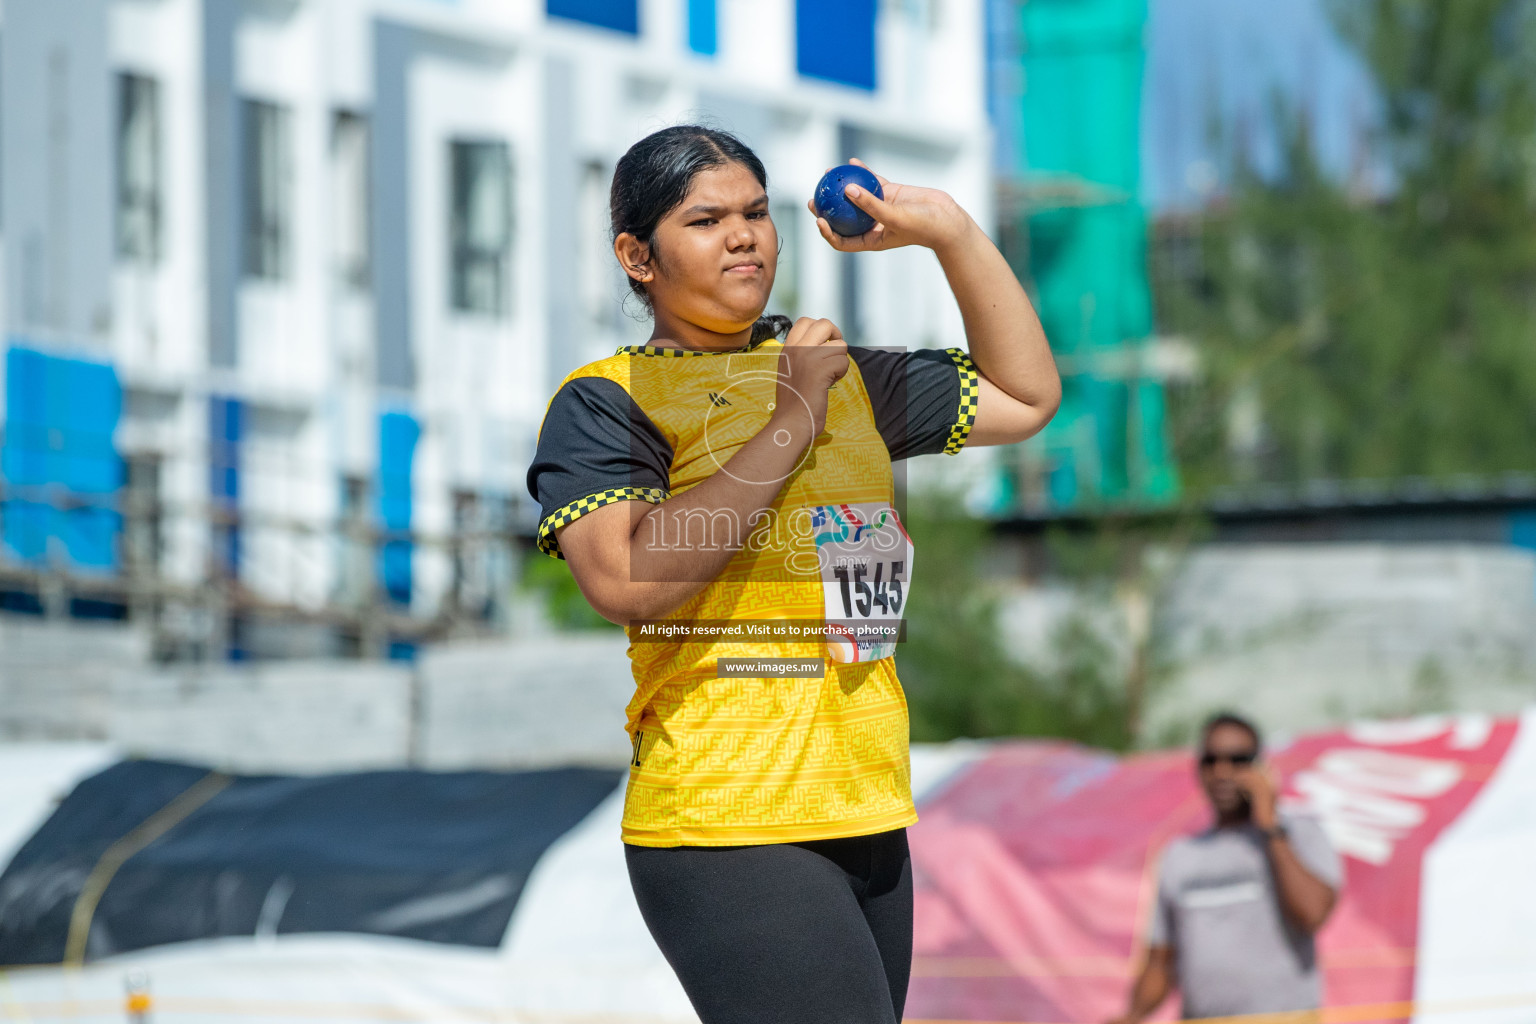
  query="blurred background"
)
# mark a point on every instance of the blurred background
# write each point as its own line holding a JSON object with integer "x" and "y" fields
{"x": 287, "y": 285}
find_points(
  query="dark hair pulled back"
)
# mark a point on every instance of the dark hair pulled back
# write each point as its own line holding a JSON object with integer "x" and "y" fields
{"x": 654, "y": 176}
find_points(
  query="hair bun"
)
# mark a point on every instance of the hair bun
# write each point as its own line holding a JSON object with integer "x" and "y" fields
{"x": 773, "y": 326}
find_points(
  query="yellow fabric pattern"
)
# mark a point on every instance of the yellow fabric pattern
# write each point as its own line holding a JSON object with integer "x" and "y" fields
{"x": 726, "y": 761}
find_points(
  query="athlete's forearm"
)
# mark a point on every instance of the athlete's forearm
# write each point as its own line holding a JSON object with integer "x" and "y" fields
{"x": 1002, "y": 332}
{"x": 679, "y": 546}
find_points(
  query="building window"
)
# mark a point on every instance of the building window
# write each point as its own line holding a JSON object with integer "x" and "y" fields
{"x": 144, "y": 515}
{"x": 619, "y": 15}
{"x": 481, "y": 549}
{"x": 481, "y": 225}
{"x": 468, "y": 587}
{"x": 355, "y": 545}
{"x": 138, "y": 168}
{"x": 268, "y": 169}
{"x": 349, "y": 198}
{"x": 602, "y": 285}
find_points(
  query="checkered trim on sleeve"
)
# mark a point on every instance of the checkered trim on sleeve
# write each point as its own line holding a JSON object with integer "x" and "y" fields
{"x": 970, "y": 400}
{"x": 581, "y": 506}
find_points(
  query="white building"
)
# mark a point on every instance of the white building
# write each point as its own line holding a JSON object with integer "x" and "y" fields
{"x": 330, "y": 257}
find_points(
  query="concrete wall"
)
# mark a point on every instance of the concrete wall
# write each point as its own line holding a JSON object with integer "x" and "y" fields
{"x": 559, "y": 699}
{"x": 488, "y": 705}
{"x": 56, "y": 677}
{"x": 274, "y": 717}
{"x": 1302, "y": 636}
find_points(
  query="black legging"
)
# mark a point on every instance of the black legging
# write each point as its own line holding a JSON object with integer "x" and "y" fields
{"x": 797, "y": 932}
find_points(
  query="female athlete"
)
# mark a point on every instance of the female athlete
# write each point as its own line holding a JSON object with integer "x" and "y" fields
{"x": 727, "y": 497}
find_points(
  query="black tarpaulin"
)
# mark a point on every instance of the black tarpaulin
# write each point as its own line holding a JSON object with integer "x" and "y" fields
{"x": 439, "y": 856}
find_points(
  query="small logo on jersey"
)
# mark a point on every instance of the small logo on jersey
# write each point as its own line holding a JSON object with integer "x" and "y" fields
{"x": 718, "y": 399}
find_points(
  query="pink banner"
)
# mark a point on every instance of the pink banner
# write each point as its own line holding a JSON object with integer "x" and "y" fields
{"x": 1034, "y": 868}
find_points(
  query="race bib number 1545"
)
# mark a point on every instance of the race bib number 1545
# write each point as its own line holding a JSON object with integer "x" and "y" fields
{"x": 865, "y": 558}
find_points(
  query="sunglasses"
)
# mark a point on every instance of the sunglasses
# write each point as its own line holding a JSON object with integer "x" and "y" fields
{"x": 1210, "y": 760}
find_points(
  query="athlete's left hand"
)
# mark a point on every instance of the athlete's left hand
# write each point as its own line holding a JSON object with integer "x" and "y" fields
{"x": 908, "y": 215}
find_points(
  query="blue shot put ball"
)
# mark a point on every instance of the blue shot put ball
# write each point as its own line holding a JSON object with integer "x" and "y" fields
{"x": 842, "y": 216}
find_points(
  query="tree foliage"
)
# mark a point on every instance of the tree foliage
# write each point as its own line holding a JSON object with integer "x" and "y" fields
{"x": 1376, "y": 336}
{"x": 561, "y": 599}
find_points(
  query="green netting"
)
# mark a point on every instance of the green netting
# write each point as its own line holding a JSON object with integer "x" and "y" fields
{"x": 1086, "y": 232}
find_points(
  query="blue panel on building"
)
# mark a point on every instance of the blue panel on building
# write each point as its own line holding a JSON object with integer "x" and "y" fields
{"x": 91, "y": 404}
{"x": 226, "y": 428}
{"x": 398, "y": 434}
{"x": 89, "y": 534}
{"x": 835, "y": 40}
{"x": 1522, "y": 528}
{"x": 702, "y": 28}
{"x": 24, "y": 460}
{"x": 59, "y": 462}
{"x": 88, "y": 466}
{"x": 619, "y": 15}
{"x": 26, "y": 530}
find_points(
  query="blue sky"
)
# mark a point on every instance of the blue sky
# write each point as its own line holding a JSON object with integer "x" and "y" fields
{"x": 1230, "y": 57}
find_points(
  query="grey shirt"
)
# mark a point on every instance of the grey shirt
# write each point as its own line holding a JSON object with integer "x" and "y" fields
{"x": 1217, "y": 906}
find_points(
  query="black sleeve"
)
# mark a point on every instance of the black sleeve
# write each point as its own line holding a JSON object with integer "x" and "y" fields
{"x": 596, "y": 446}
{"x": 924, "y": 400}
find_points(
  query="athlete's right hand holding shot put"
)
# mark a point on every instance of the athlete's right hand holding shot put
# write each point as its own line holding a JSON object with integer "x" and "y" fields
{"x": 728, "y": 497}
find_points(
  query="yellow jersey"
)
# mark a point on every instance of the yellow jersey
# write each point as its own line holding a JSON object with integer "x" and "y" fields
{"x": 725, "y": 759}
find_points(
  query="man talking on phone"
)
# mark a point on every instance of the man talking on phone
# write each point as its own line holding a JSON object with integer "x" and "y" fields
{"x": 1238, "y": 904}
